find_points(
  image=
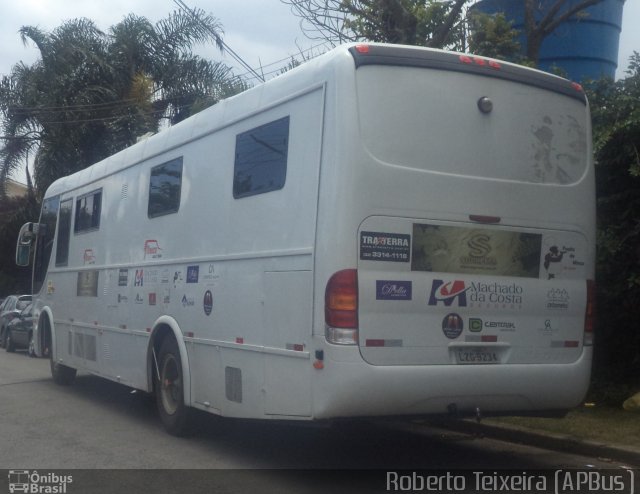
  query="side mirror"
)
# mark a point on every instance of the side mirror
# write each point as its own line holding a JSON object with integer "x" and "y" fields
{"x": 23, "y": 252}
{"x": 28, "y": 233}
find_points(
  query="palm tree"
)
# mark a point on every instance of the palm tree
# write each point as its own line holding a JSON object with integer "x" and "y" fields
{"x": 92, "y": 93}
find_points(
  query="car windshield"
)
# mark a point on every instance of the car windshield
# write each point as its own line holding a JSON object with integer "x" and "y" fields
{"x": 22, "y": 304}
{"x": 8, "y": 304}
{"x": 27, "y": 310}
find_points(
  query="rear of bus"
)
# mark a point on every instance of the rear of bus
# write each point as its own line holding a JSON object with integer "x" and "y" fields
{"x": 460, "y": 261}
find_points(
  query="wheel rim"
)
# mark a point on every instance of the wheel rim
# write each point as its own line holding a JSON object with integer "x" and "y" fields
{"x": 170, "y": 385}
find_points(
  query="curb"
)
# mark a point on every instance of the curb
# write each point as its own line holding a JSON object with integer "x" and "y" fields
{"x": 546, "y": 440}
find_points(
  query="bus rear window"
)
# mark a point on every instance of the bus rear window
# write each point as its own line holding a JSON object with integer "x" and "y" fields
{"x": 429, "y": 119}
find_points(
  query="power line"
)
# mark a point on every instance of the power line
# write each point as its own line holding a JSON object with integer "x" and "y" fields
{"x": 233, "y": 54}
{"x": 286, "y": 59}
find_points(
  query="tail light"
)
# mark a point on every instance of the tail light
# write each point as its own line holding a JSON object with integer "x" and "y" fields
{"x": 341, "y": 308}
{"x": 590, "y": 313}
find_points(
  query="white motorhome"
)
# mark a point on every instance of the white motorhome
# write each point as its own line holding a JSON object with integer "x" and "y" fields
{"x": 383, "y": 231}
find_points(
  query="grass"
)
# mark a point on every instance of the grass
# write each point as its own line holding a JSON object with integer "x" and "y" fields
{"x": 600, "y": 424}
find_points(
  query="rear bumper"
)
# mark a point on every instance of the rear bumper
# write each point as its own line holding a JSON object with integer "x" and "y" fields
{"x": 349, "y": 387}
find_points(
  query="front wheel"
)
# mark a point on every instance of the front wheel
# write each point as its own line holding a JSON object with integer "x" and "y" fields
{"x": 170, "y": 389}
{"x": 9, "y": 344}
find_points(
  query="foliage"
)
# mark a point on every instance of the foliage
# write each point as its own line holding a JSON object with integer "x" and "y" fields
{"x": 616, "y": 135}
{"x": 541, "y": 18}
{"x": 92, "y": 94}
{"x": 493, "y": 36}
{"x": 14, "y": 212}
{"x": 411, "y": 22}
{"x": 417, "y": 22}
{"x": 450, "y": 24}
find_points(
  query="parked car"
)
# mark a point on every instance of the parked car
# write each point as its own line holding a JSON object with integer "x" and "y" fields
{"x": 19, "y": 330}
{"x": 10, "y": 308}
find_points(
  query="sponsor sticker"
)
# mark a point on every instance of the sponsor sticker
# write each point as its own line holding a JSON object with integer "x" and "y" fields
{"x": 393, "y": 290}
{"x": 89, "y": 257}
{"x": 152, "y": 298}
{"x": 558, "y": 299}
{"x": 480, "y": 251}
{"x": 193, "y": 273}
{"x": 177, "y": 278}
{"x": 476, "y": 325}
{"x": 452, "y": 326}
{"x": 139, "y": 279}
{"x": 390, "y": 247}
{"x": 207, "y": 302}
{"x": 152, "y": 249}
{"x": 462, "y": 293}
{"x": 562, "y": 260}
{"x": 87, "y": 285}
{"x": 123, "y": 277}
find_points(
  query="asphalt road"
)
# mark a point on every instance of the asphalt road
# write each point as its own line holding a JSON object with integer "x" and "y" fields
{"x": 97, "y": 424}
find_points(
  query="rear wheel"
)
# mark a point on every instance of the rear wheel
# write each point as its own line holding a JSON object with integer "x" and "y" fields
{"x": 170, "y": 389}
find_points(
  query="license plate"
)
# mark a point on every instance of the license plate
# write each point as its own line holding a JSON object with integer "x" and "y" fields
{"x": 477, "y": 356}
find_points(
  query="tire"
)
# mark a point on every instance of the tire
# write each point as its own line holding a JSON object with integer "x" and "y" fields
{"x": 3, "y": 338}
{"x": 174, "y": 414}
{"x": 30, "y": 351}
{"x": 10, "y": 347}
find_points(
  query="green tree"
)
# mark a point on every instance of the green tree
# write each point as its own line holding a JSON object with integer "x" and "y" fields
{"x": 92, "y": 93}
{"x": 493, "y": 36}
{"x": 541, "y": 18}
{"x": 616, "y": 134}
{"x": 417, "y": 22}
{"x": 437, "y": 24}
{"x": 14, "y": 212}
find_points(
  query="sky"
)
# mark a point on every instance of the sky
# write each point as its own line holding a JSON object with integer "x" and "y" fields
{"x": 263, "y": 32}
{"x": 260, "y": 31}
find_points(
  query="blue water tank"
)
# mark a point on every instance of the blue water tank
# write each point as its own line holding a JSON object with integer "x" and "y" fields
{"x": 585, "y": 47}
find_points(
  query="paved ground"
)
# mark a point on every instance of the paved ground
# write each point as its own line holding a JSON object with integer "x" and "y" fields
{"x": 96, "y": 424}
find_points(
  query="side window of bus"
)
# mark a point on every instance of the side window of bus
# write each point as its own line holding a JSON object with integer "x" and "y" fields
{"x": 64, "y": 233}
{"x": 261, "y": 159}
{"x": 165, "y": 186}
{"x": 88, "y": 209}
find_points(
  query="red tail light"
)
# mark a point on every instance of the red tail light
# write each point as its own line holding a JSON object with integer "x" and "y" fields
{"x": 590, "y": 313}
{"x": 341, "y": 307}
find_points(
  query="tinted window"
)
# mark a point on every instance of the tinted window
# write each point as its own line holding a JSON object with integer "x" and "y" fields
{"x": 88, "y": 212}
{"x": 164, "y": 188}
{"x": 261, "y": 159}
{"x": 64, "y": 232}
{"x": 44, "y": 243}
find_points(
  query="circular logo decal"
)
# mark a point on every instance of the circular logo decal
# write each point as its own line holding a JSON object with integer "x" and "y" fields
{"x": 452, "y": 326}
{"x": 208, "y": 302}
